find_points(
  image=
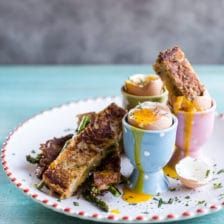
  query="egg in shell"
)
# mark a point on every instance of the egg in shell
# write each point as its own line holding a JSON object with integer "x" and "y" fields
{"x": 200, "y": 103}
{"x": 150, "y": 116}
{"x": 144, "y": 85}
{"x": 203, "y": 102}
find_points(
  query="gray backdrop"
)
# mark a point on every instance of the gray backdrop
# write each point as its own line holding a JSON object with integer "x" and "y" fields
{"x": 109, "y": 31}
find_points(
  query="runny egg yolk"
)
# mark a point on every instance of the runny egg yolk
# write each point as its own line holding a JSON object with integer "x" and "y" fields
{"x": 151, "y": 78}
{"x": 143, "y": 117}
{"x": 182, "y": 103}
{"x": 115, "y": 211}
{"x": 134, "y": 197}
{"x": 141, "y": 81}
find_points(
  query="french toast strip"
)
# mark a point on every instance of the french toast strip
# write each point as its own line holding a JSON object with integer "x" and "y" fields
{"x": 177, "y": 73}
{"x": 49, "y": 152}
{"x": 84, "y": 152}
{"x": 109, "y": 171}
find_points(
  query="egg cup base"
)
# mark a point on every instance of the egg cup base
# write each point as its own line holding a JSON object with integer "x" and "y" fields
{"x": 148, "y": 182}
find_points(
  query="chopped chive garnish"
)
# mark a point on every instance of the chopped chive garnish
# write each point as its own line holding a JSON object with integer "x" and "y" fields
{"x": 161, "y": 201}
{"x": 220, "y": 171}
{"x": 172, "y": 189}
{"x": 217, "y": 185}
{"x": 75, "y": 203}
{"x": 207, "y": 173}
{"x": 201, "y": 202}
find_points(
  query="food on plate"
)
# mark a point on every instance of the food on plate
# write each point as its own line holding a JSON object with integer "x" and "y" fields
{"x": 109, "y": 172}
{"x": 94, "y": 162}
{"x": 189, "y": 100}
{"x": 150, "y": 116}
{"x": 194, "y": 172}
{"x": 140, "y": 88}
{"x": 149, "y": 132}
{"x": 84, "y": 152}
{"x": 144, "y": 85}
{"x": 103, "y": 179}
{"x": 49, "y": 152}
{"x": 88, "y": 162}
{"x": 186, "y": 92}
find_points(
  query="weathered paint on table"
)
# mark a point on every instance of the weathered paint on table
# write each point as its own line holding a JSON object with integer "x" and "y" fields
{"x": 25, "y": 91}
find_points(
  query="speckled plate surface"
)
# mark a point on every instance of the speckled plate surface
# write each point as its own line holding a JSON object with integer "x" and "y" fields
{"x": 61, "y": 120}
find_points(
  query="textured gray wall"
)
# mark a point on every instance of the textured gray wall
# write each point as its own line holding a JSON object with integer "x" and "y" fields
{"x": 109, "y": 31}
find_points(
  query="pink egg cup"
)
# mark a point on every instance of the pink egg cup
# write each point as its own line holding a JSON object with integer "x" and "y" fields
{"x": 200, "y": 125}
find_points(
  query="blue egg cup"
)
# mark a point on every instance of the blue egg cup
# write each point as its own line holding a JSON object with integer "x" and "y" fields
{"x": 149, "y": 152}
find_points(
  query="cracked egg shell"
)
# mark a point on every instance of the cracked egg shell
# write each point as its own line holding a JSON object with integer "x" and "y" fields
{"x": 194, "y": 172}
{"x": 144, "y": 85}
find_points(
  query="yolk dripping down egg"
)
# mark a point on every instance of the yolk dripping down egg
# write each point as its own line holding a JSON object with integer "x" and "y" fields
{"x": 200, "y": 103}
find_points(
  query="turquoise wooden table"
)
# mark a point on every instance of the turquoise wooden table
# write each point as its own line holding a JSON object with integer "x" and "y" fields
{"x": 25, "y": 91}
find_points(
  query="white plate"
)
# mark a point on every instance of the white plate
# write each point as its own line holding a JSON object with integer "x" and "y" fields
{"x": 57, "y": 121}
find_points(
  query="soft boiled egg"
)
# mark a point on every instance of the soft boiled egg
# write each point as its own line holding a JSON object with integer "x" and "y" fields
{"x": 200, "y": 103}
{"x": 144, "y": 85}
{"x": 194, "y": 172}
{"x": 203, "y": 102}
{"x": 150, "y": 116}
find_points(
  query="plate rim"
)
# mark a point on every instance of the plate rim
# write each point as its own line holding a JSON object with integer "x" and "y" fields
{"x": 110, "y": 218}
